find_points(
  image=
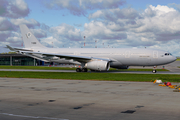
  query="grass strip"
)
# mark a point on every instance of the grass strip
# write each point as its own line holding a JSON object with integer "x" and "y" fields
{"x": 91, "y": 76}
{"x": 37, "y": 67}
{"x": 68, "y": 68}
{"x": 178, "y": 59}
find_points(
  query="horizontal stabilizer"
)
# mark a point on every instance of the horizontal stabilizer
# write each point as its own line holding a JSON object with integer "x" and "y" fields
{"x": 17, "y": 49}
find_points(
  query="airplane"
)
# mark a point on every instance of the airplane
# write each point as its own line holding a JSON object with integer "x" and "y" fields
{"x": 95, "y": 59}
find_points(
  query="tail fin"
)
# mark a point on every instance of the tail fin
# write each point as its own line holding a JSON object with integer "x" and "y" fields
{"x": 29, "y": 39}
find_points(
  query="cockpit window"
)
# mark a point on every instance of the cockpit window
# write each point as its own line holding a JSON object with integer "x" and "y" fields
{"x": 166, "y": 54}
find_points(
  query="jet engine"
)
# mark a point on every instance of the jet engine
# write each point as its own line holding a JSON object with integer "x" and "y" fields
{"x": 98, "y": 65}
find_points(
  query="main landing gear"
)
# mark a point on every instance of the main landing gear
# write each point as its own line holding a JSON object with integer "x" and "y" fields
{"x": 81, "y": 70}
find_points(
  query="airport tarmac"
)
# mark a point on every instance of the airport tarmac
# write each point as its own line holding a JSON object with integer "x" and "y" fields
{"x": 50, "y": 99}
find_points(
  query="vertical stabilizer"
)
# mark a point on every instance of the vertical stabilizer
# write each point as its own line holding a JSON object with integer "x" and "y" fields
{"x": 29, "y": 39}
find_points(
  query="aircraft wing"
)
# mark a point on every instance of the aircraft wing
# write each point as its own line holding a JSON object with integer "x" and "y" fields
{"x": 67, "y": 57}
{"x": 46, "y": 56}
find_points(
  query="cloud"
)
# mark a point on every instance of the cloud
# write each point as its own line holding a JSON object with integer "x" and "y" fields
{"x": 4, "y": 35}
{"x": 63, "y": 35}
{"x": 160, "y": 21}
{"x": 98, "y": 30}
{"x": 31, "y": 23}
{"x": 12, "y": 13}
{"x": 50, "y": 42}
{"x": 80, "y": 7}
{"x": 5, "y": 24}
{"x": 164, "y": 25}
{"x": 78, "y": 25}
{"x": 156, "y": 25}
{"x": 114, "y": 14}
{"x": 10, "y": 38}
{"x": 59, "y": 43}
{"x": 44, "y": 27}
{"x": 177, "y": 6}
{"x": 66, "y": 32}
{"x": 39, "y": 33}
{"x": 117, "y": 19}
{"x": 158, "y": 10}
{"x": 14, "y": 41}
{"x": 13, "y": 8}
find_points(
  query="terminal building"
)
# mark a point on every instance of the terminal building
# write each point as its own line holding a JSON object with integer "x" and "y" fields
{"x": 19, "y": 60}
{"x": 22, "y": 60}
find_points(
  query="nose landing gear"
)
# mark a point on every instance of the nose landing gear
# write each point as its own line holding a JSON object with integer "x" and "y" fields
{"x": 154, "y": 70}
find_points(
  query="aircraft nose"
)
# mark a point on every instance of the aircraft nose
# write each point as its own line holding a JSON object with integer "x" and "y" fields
{"x": 174, "y": 59}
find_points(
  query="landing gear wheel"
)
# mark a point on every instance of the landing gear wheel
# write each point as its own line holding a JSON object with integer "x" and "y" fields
{"x": 84, "y": 70}
{"x": 78, "y": 70}
{"x": 154, "y": 71}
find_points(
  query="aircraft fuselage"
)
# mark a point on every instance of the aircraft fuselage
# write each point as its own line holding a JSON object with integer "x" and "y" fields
{"x": 120, "y": 56}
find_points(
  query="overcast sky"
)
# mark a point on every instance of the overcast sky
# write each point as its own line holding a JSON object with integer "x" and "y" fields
{"x": 112, "y": 23}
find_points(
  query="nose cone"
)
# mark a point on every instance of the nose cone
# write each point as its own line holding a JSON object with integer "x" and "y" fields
{"x": 174, "y": 58}
{"x": 170, "y": 59}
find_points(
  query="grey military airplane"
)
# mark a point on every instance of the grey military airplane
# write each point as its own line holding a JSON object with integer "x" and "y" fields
{"x": 96, "y": 59}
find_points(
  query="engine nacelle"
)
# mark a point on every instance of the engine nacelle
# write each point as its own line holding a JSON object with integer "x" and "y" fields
{"x": 98, "y": 65}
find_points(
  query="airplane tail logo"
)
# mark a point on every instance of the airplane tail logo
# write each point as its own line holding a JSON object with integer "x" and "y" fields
{"x": 28, "y": 35}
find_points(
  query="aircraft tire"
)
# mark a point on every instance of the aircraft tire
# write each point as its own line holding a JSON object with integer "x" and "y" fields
{"x": 78, "y": 70}
{"x": 154, "y": 71}
{"x": 84, "y": 70}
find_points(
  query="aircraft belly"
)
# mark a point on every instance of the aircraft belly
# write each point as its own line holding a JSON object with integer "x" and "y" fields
{"x": 135, "y": 61}
{"x": 144, "y": 61}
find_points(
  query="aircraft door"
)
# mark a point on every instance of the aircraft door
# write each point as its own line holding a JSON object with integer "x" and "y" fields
{"x": 155, "y": 54}
{"x": 127, "y": 54}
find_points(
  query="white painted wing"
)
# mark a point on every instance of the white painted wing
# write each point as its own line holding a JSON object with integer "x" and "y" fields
{"x": 68, "y": 57}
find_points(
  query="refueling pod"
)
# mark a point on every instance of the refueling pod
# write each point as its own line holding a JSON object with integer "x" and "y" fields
{"x": 98, "y": 65}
